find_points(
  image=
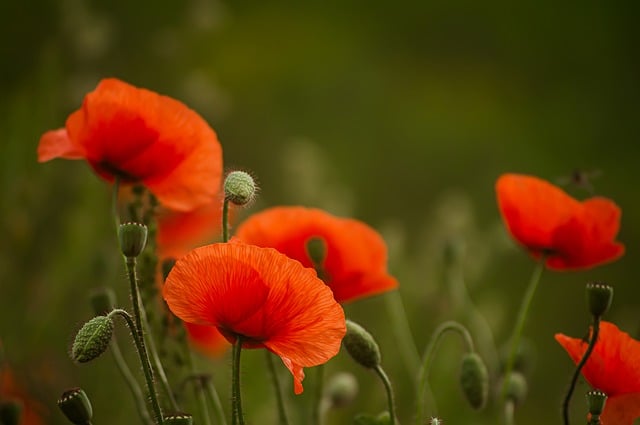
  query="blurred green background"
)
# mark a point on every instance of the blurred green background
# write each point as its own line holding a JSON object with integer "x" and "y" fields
{"x": 400, "y": 114}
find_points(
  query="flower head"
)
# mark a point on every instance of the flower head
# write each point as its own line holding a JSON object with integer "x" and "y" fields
{"x": 355, "y": 256}
{"x": 270, "y": 300}
{"x": 613, "y": 368}
{"x": 141, "y": 136}
{"x": 547, "y": 221}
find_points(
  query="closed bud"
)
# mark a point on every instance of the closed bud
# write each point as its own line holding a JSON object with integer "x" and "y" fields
{"x": 595, "y": 401}
{"x": 516, "y": 388}
{"x": 92, "y": 339}
{"x": 76, "y": 406}
{"x": 10, "y": 412}
{"x": 103, "y": 301}
{"x": 342, "y": 389}
{"x": 178, "y": 419}
{"x": 133, "y": 239}
{"x": 361, "y": 346}
{"x": 239, "y": 188}
{"x": 599, "y": 297}
{"x": 474, "y": 380}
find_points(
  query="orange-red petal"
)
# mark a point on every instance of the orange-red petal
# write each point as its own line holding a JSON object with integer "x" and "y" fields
{"x": 56, "y": 144}
{"x": 207, "y": 339}
{"x": 259, "y": 293}
{"x": 356, "y": 256}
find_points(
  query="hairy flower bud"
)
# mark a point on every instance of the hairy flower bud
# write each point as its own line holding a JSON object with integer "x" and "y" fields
{"x": 76, "y": 406}
{"x": 239, "y": 187}
{"x": 474, "y": 380}
{"x": 133, "y": 239}
{"x": 361, "y": 346}
{"x": 599, "y": 297}
{"x": 92, "y": 339}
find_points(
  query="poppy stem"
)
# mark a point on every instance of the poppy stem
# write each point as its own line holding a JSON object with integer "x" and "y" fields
{"x": 423, "y": 374}
{"x": 509, "y": 407}
{"x": 522, "y": 316}
{"x": 282, "y": 413}
{"x": 114, "y": 202}
{"x": 576, "y": 373}
{"x": 387, "y": 385}
{"x": 402, "y": 330}
{"x": 225, "y": 220}
{"x": 212, "y": 395}
{"x": 138, "y": 335}
{"x": 316, "y": 414}
{"x": 236, "y": 401}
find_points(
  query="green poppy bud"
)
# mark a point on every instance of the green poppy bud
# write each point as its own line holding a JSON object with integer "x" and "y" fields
{"x": 239, "y": 188}
{"x": 474, "y": 380}
{"x": 599, "y": 297}
{"x": 133, "y": 239}
{"x": 76, "y": 406}
{"x": 361, "y": 346}
{"x": 92, "y": 339}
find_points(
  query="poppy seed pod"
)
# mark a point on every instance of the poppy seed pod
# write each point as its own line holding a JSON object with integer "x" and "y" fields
{"x": 76, "y": 406}
{"x": 599, "y": 297}
{"x": 239, "y": 188}
{"x": 474, "y": 380}
{"x": 178, "y": 419}
{"x": 595, "y": 401}
{"x": 133, "y": 239}
{"x": 361, "y": 346}
{"x": 92, "y": 339}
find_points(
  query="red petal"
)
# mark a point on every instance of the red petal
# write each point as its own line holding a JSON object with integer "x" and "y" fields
{"x": 56, "y": 144}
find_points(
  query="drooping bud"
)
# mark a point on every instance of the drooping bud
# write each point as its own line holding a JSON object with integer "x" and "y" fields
{"x": 133, "y": 239}
{"x": 92, "y": 339}
{"x": 361, "y": 346}
{"x": 10, "y": 412}
{"x": 474, "y": 380}
{"x": 516, "y": 388}
{"x": 599, "y": 297}
{"x": 342, "y": 389}
{"x": 596, "y": 400}
{"x": 76, "y": 406}
{"x": 178, "y": 419}
{"x": 239, "y": 187}
{"x": 103, "y": 300}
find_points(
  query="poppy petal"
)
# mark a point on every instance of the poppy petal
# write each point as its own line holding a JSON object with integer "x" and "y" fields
{"x": 57, "y": 144}
{"x": 621, "y": 409}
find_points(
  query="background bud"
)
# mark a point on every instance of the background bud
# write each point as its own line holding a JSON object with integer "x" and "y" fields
{"x": 474, "y": 380}
{"x": 516, "y": 388}
{"x": 239, "y": 187}
{"x": 92, "y": 339}
{"x": 76, "y": 406}
{"x": 342, "y": 389}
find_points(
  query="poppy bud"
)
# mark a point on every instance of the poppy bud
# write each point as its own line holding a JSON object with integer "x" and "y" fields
{"x": 474, "y": 380}
{"x": 133, "y": 239}
{"x": 361, "y": 346}
{"x": 103, "y": 301}
{"x": 92, "y": 339}
{"x": 599, "y": 297}
{"x": 342, "y": 389}
{"x": 239, "y": 188}
{"x": 76, "y": 406}
{"x": 516, "y": 388}
{"x": 595, "y": 401}
{"x": 178, "y": 419}
{"x": 10, "y": 412}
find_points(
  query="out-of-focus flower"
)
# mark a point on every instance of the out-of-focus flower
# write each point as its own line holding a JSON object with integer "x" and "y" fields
{"x": 354, "y": 257}
{"x": 547, "y": 221}
{"x": 207, "y": 339}
{"x": 268, "y": 299}
{"x": 31, "y": 411}
{"x": 142, "y": 137}
{"x": 613, "y": 368}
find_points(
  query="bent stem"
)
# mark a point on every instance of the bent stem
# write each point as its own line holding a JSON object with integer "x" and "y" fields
{"x": 398, "y": 317}
{"x": 423, "y": 374}
{"x": 387, "y": 385}
{"x": 144, "y": 359}
{"x": 316, "y": 414}
{"x": 282, "y": 414}
{"x": 520, "y": 321}
{"x": 236, "y": 401}
{"x": 576, "y": 373}
{"x": 212, "y": 395}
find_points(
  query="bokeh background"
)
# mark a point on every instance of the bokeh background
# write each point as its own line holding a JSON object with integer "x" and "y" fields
{"x": 400, "y": 114}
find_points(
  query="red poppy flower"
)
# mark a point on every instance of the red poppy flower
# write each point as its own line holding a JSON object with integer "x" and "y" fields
{"x": 613, "y": 368}
{"x": 141, "y": 136}
{"x": 355, "y": 263}
{"x": 11, "y": 390}
{"x": 272, "y": 301}
{"x": 546, "y": 220}
{"x": 207, "y": 339}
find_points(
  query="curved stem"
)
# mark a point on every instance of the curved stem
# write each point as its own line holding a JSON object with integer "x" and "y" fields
{"x": 316, "y": 414}
{"x": 576, "y": 373}
{"x": 282, "y": 413}
{"x": 423, "y": 374}
{"x": 509, "y": 408}
{"x": 139, "y": 336}
{"x": 225, "y": 220}
{"x": 520, "y": 321}
{"x": 387, "y": 385}
{"x": 214, "y": 399}
{"x": 236, "y": 408}
{"x": 402, "y": 330}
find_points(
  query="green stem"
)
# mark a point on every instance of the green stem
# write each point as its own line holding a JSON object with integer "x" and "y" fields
{"x": 576, "y": 373}
{"x": 138, "y": 334}
{"x": 402, "y": 330}
{"x": 520, "y": 321}
{"x": 236, "y": 406}
{"x": 282, "y": 413}
{"x": 225, "y": 220}
{"x": 131, "y": 382}
{"x": 509, "y": 407}
{"x": 202, "y": 400}
{"x": 423, "y": 374}
{"x": 214, "y": 399}
{"x": 316, "y": 414}
{"x": 114, "y": 202}
{"x": 387, "y": 385}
